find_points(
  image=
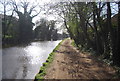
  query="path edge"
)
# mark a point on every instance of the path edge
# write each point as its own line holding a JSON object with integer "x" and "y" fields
{"x": 42, "y": 71}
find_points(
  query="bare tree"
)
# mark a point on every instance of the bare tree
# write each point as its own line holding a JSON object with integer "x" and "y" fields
{"x": 25, "y": 18}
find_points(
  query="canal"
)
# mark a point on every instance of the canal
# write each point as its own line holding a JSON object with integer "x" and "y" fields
{"x": 24, "y": 62}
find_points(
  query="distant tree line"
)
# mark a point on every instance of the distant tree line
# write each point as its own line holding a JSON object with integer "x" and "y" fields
{"x": 93, "y": 26}
{"x": 46, "y": 30}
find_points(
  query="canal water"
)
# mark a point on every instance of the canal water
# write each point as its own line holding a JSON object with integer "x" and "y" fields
{"x": 24, "y": 62}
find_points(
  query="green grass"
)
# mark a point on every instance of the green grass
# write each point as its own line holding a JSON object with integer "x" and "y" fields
{"x": 8, "y": 36}
{"x": 42, "y": 72}
{"x": 73, "y": 43}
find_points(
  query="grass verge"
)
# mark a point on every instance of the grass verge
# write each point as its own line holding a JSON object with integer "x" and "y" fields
{"x": 42, "y": 72}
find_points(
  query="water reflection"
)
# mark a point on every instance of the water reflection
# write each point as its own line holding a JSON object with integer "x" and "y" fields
{"x": 34, "y": 54}
{"x": 24, "y": 62}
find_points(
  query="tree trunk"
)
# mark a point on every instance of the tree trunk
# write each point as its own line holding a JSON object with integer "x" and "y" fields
{"x": 97, "y": 37}
{"x": 112, "y": 36}
{"x": 71, "y": 35}
{"x": 99, "y": 20}
{"x": 116, "y": 58}
{"x": 4, "y": 25}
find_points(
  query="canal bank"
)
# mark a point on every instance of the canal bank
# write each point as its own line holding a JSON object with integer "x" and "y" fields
{"x": 42, "y": 71}
{"x": 70, "y": 63}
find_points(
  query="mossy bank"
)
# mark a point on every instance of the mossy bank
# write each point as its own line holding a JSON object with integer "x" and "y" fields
{"x": 42, "y": 72}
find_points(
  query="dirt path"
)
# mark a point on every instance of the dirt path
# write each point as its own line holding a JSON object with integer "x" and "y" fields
{"x": 69, "y": 63}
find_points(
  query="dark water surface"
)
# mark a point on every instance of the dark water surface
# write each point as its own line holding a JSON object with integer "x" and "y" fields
{"x": 0, "y": 64}
{"x": 24, "y": 62}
